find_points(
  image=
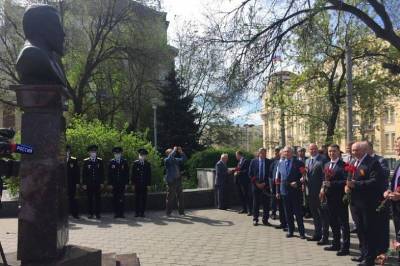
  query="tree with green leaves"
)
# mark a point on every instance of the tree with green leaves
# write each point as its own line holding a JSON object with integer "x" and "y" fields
{"x": 177, "y": 117}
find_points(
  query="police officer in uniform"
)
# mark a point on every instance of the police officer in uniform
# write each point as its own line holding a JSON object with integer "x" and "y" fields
{"x": 141, "y": 178}
{"x": 74, "y": 180}
{"x": 118, "y": 179}
{"x": 93, "y": 180}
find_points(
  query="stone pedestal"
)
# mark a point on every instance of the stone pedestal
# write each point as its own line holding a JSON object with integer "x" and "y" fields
{"x": 43, "y": 218}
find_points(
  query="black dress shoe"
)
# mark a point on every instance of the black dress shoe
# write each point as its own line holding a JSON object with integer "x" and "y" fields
{"x": 278, "y": 227}
{"x": 303, "y": 237}
{"x": 76, "y": 217}
{"x": 255, "y": 222}
{"x": 357, "y": 259}
{"x": 122, "y": 216}
{"x": 314, "y": 238}
{"x": 323, "y": 242}
{"x": 343, "y": 252}
{"x": 367, "y": 263}
{"x": 332, "y": 248}
{"x": 274, "y": 216}
{"x": 289, "y": 235}
{"x": 142, "y": 215}
{"x": 266, "y": 223}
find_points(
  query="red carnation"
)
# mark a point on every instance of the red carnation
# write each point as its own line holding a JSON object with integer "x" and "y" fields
{"x": 278, "y": 181}
{"x": 302, "y": 170}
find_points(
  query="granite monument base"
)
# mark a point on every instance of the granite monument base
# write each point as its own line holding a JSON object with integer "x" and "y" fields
{"x": 74, "y": 256}
{"x": 43, "y": 217}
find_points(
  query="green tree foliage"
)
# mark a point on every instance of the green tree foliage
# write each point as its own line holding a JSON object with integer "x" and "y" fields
{"x": 177, "y": 118}
{"x": 82, "y": 133}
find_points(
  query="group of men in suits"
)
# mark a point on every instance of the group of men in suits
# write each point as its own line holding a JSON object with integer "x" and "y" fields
{"x": 93, "y": 181}
{"x": 333, "y": 186}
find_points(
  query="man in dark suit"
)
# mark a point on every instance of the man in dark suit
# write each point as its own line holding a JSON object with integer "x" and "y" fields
{"x": 279, "y": 202}
{"x": 333, "y": 191}
{"x": 272, "y": 170}
{"x": 93, "y": 181}
{"x": 383, "y": 245}
{"x": 288, "y": 189}
{"x": 74, "y": 179}
{"x": 393, "y": 194}
{"x": 221, "y": 179}
{"x": 259, "y": 171}
{"x": 118, "y": 179}
{"x": 141, "y": 179}
{"x": 367, "y": 188}
{"x": 315, "y": 176}
{"x": 242, "y": 182}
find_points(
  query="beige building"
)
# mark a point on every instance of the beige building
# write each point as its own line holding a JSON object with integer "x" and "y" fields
{"x": 296, "y": 130}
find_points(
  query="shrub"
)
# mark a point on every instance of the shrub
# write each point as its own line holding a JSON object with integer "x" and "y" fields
{"x": 209, "y": 157}
{"x": 81, "y": 133}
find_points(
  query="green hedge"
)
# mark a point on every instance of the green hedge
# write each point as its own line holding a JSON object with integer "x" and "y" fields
{"x": 81, "y": 133}
{"x": 209, "y": 157}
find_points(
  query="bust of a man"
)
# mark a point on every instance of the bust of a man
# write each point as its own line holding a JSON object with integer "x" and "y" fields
{"x": 39, "y": 60}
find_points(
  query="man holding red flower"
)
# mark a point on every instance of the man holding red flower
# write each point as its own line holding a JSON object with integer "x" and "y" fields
{"x": 333, "y": 190}
{"x": 289, "y": 190}
{"x": 366, "y": 187}
{"x": 315, "y": 174}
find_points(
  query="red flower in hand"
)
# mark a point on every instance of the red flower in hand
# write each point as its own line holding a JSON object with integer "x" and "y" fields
{"x": 253, "y": 179}
{"x": 350, "y": 168}
{"x": 328, "y": 173}
{"x": 278, "y": 181}
{"x": 302, "y": 170}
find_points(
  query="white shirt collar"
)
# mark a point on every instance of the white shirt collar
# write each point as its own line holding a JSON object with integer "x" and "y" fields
{"x": 335, "y": 161}
{"x": 314, "y": 157}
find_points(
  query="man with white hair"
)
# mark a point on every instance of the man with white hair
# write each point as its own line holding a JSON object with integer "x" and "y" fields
{"x": 366, "y": 186}
{"x": 288, "y": 189}
{"x": 221, "y": 178}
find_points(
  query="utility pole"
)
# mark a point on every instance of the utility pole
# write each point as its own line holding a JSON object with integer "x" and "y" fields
{"x": 282, "y": 139}
{"x": 155, "y": 124}
{"x": 349, "y": 91}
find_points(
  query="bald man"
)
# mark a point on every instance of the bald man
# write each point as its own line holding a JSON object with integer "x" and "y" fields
{"x": 367, "y": 187}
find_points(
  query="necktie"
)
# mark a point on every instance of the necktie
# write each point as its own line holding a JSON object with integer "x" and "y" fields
{"x": 311, "y": 163}
{"x": 261, "y": 170}
{"x": 332, "y": 165}
{"x": 357, "y": 163}
{"x": 397, "y": 179}
{"x": 287, "y": 167}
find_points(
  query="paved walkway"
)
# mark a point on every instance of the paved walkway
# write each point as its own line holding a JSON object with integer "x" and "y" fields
{"x": 202, "y": 237}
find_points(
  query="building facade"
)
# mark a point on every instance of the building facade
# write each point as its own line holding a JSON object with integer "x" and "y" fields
{"x": 295, "y": 130}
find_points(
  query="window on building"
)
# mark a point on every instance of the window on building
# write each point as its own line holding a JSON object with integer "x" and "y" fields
{"x": 9, "y": 116}
{"x": 392, "y": 141}
{"x": 387, "y": 141}
{"x": 390, "y": 116}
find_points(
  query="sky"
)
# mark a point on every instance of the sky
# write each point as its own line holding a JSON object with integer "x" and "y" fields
{"x": 179, "y": 11}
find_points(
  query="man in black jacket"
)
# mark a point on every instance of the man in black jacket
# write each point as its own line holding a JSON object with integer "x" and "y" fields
{"x": 333, "y": 192}
{"x": 366, "y": 187}
{"x": 93, "y": 180}
{"x": 242, "y": 182}
{"x": 74, "y": 180}
{"x": 393, "y": 194}
{"x": 118, "y": 179}
{"x": 141, "y": 179}
{"x": 288, "y": 188}
{"x": 259, "y": 171}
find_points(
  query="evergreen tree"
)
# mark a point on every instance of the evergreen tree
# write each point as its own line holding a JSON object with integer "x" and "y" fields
{"x": 177, "y": 125}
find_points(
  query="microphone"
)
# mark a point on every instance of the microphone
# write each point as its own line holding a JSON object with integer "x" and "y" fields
{"x": 7, "y": 148}
{"x": 21, "y": 148}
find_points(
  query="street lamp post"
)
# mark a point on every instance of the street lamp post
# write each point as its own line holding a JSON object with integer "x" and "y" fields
{"x": 247, "y": 126}
{"x": 154, "y": 105}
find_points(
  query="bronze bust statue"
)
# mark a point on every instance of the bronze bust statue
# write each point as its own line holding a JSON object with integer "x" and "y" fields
{"x": 38, "y": 62}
